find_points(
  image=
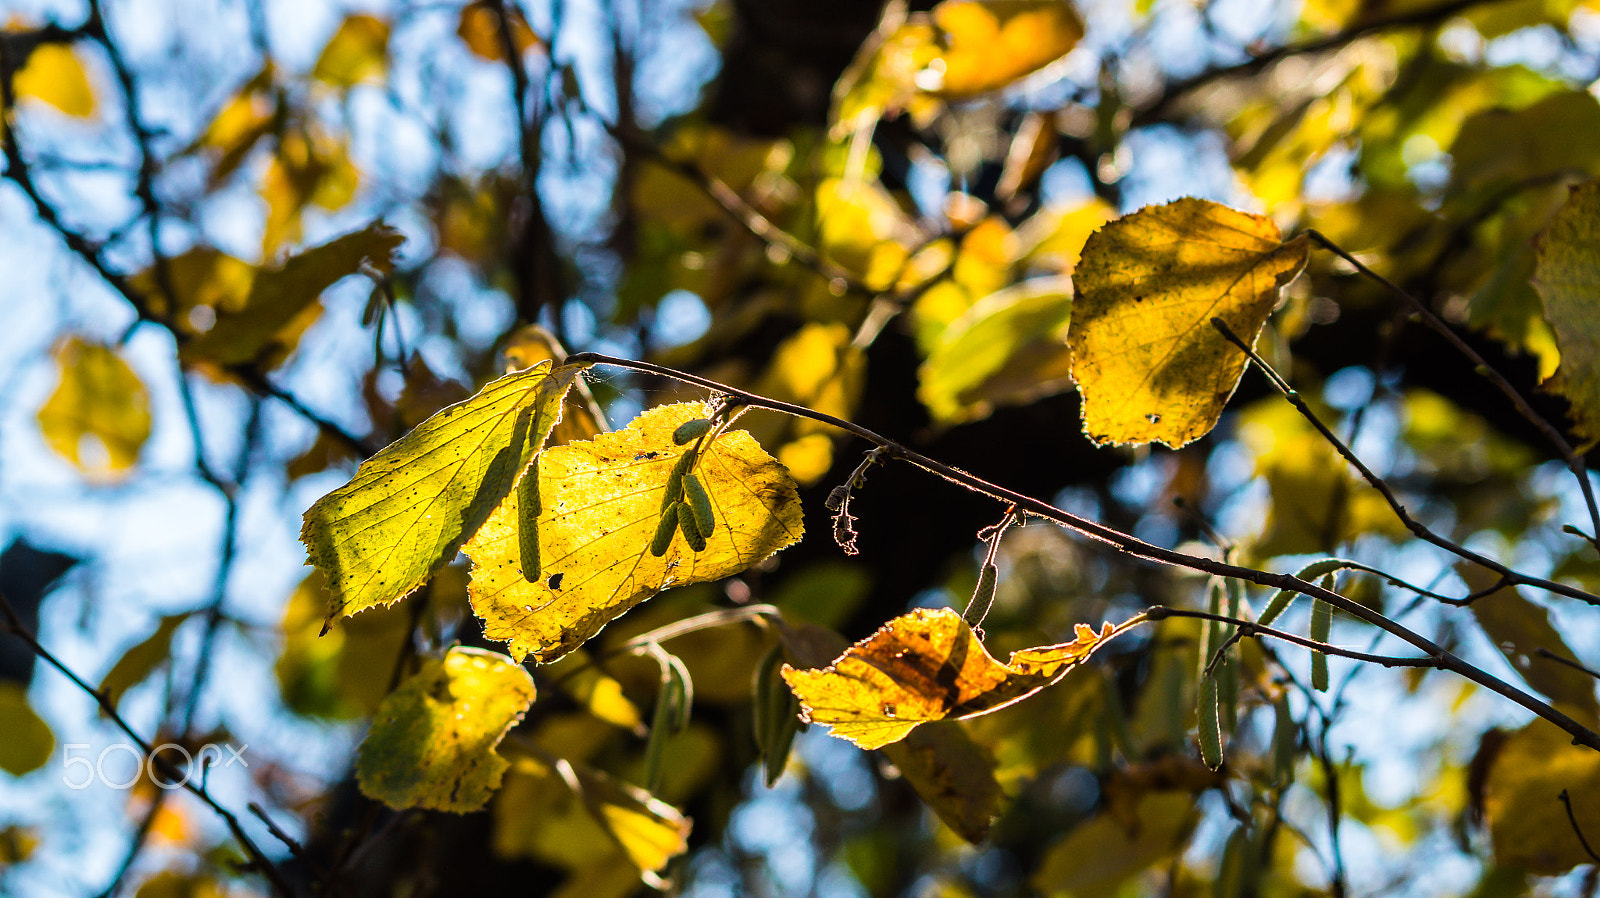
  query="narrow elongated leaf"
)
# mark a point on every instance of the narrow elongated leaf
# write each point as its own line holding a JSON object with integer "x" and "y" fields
{"x": 923, "y": 666}
{"x": 432, "y": 742}
{"x": 601, "y": 505}
{"x": 1567, "y": 276}
{"x": 410, "y": 507}
{"x": 1144, "y": 353}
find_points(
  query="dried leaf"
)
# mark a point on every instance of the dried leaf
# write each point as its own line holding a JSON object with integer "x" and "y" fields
{"x": 923, "y": 666}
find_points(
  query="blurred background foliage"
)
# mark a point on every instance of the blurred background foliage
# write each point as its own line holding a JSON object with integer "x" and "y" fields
{"x": 248, "y": 244}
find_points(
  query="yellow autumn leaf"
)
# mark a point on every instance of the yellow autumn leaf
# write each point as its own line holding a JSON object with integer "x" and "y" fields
{"x": 1144, "y": 353}
{"x": 357, "y": 52}
{"x": 924, "y": 666}
{"x": 951, "y": 773}
{"x": 479, "y": 29}
{"x": 991, "y": 43}
{"x": 1528, "y": 824}
{"x": 1010, "y": 347}
{"x": 1567, "y": 276}
{"x": 581, "y": 416}
{"x": 600, "y": 506}
{"x": 410, "y": 507}
{"x": 432, "y": 741}
{"x": 99, "y": 398}
{"x": 54, "y": 74}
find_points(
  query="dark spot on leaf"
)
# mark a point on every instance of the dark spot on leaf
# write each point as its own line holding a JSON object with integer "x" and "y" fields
{"x": 555, "y": 581}
{"x": 1153, "y": 418}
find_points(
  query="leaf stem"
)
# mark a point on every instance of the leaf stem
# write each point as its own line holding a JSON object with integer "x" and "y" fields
{"x": 1132, "y": 545}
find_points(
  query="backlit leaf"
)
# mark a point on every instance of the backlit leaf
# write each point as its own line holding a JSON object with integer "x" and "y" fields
{"x": 99, "y": 399}
{"x": 332, "y": 674}
{"x": 924, "y": 666}
{"x": 1567, "y": 276}
{"x": 269, "y": 322}
{"x": 1527, "y": 822}
{"x": 54, "y": 74}
{"x": 581, "y": 417}
{"x": 991, "y": 43}
{"x": 1010, "y": 347}
{"x": 410, "y": 507}
{"x": 28, "y": 742}
{"x": 479, "y": 29}
{"x": 432, "y": 741}
{"x": 357, "y": 52}
{"x": 1150, "y": 365}
{"x": 601, "y": 503}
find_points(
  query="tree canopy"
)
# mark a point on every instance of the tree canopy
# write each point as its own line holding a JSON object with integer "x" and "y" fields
{"x": 984, "y": 447}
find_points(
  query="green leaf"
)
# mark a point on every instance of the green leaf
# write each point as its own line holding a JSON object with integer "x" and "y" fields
{"x": 28, "y": 742}
{"x": 266, "y": 326}
{"x": 142, "y": 660}
{"x": 1567, "y": 276}
{"x": 1144, "y": 353}
{"x": 411, "y": 507}
{"x": 432, "y": 742}
{"x": 1009, "y": 348}
{"x": 601, "y": 504}
{"x": 99, "y": 398}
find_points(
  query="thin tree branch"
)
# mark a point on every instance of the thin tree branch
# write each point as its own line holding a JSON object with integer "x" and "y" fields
{"x": 1417, "y": 528}
{"x": 1130, "y": 544}
{"x": 1484, "y": 369}
{"x": 258, "y": 860}
{"x": 1248, "y": 629}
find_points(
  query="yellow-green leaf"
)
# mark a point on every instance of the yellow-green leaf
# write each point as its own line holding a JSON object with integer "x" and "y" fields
{"x": 432, "y": 741}
{"x": 1094, "y": 860}
{"x": 601, "y": 504}
{"x": 1149, "y": 363}
{"x": 142, "y": 660}
{"x": 924, "y": 666}
{"x": 332, "y": 674}
{"x": 357, "y": 52}
{"x": 54, "y": 74}
{"x": 1520, "y": 629}
{"x": 28, "y": 742}
{"x": 1527, "y": 822}
{"x": 266, "y": 325}
{"x": 1010, "y": 347}
{"x": 1567, "y": 276}
{"x": 99, "y": 398}
{"x": 410, "y": 507}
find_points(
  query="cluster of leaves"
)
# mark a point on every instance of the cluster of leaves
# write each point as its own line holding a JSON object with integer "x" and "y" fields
{"x": 981, "y": 323}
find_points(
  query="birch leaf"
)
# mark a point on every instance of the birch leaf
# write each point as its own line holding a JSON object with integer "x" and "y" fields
{"x": 601, "y": 502}
{"x": 99, "y": 398}
{"x": 432, "y": 742}
{"x": 410, "y": 507}
{"x": 924, "y": 666}
{"x": 1149, "y": 363}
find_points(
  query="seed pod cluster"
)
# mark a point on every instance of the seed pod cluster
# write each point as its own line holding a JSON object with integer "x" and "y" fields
{"x": 685, "y": 505}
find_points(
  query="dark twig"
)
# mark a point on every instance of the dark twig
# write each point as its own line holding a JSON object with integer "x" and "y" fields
{"x": 1248, "y": 629}
{"x": 1132, "y": 545}
{"x": 1484, "y": 369}
{"x": 1543, "y": 652}
{"x": 258, "y": 860}
{"x": 1417, "y": 528}
{"x": 1566, "y": 802}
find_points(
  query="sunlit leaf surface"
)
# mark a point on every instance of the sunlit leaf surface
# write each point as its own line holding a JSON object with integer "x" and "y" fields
{"x": 411, "y": 506}
{"x": 923, "y": 666}
{"x": 1146, "y": 357}
{"x": 601, "y": 505}
{"x": 432, "y": 741}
